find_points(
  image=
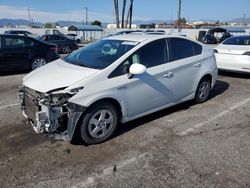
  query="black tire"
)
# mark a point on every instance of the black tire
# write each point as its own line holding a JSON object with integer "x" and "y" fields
{"x": 38, "y": 62}
{"x": 66, "y": 49}
{"x": 86, "y": 126}
{"x": 78, "y": 41}
{"x": 203, "y": 90}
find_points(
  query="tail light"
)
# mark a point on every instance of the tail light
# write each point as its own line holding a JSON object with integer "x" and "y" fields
{"x": 246, "y": 53}
{"x": 54, "y": 48}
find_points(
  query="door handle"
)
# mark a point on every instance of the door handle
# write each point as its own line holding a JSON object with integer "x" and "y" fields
{"x": 197, "y": 65}
{"x": 168, "y": 75}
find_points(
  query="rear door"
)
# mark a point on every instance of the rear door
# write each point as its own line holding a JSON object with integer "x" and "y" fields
{"x": 14, "y": 53}
{"x": 186, "y": 63}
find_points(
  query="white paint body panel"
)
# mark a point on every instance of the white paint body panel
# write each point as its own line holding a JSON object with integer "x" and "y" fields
{"x": 159, "y": 87}
{"x": 229, "y": 57}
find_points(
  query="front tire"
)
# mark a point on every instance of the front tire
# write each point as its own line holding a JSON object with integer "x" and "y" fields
{"x": 38, "y": 62}
{"x": 99, "y": 123}
{"x": 203, "y": 90}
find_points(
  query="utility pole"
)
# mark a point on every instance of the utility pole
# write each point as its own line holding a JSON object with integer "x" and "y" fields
{"x": 29, "y": 16}
{"x": 179, "y": 17}
{"x": 244, "y": 19}
{"x": 86, "y": 11}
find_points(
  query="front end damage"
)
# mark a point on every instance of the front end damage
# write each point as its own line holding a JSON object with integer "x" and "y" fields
{"x": 50, "y": 113}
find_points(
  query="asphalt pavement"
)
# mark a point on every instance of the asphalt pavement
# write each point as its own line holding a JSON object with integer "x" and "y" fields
{"x": 204, "y": 145}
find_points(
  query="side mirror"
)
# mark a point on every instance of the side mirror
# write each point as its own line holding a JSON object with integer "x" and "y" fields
{"x": 137, "y": 68}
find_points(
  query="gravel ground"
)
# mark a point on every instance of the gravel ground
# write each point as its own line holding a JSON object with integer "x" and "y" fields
{"x": 205, "y": 145}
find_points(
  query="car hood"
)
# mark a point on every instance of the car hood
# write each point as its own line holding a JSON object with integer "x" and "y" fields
{"x": 55, "y": 75}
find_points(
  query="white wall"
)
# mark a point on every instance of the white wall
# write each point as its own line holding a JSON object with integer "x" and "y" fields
{"x": 192, "y": 33}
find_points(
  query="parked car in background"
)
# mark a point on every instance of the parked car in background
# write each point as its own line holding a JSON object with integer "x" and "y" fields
{"x": 21, "y": 32}
{"x": 17, "y": 32}
{"x": 234, "y": 54}
{"x": 64, "y": 44}
{"x": 23, "y": 52}
{"x": 209, "y": 39}
{"x": 116, "y": 79}
{"x": 52, "y": 32}
{"x": 77, "y": 38}
{"x": 224, "y": 37}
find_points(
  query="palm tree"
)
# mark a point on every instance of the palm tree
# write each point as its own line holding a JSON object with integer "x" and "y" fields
{"x": 130, "y": 13}
{"x": 117, "y": 13}
{"x": 123, "y": 12}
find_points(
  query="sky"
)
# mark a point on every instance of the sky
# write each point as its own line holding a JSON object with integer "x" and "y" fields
{"x": 103, "y": 10}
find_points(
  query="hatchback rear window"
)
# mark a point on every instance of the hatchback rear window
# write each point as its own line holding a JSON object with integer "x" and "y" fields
{"x": 237, "y": 41}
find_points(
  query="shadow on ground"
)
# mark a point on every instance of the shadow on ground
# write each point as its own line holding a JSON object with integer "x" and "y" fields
{"x": 14, "y": 72}
{"x": 235, "y": 74}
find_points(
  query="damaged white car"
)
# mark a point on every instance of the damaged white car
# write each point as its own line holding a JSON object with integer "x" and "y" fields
{"x": 116, "y": 79}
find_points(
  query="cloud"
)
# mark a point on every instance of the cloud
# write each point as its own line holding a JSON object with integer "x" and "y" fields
{"x": 43, "y": 16}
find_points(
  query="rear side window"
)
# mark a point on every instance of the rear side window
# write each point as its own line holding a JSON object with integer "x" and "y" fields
{"x": 181, "y": 48}
{"x": 237, "y": 41}
{"x": 14, "y": 42}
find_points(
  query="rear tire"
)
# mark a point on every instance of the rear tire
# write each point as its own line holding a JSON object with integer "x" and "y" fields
{"x": 203, "y": 90}
{"x": 38, "y": 62}
{"x": 66, "y": 49}
{"x": 99, "y": 123}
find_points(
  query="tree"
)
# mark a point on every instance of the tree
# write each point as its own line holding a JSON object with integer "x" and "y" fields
{"x": 96, "y": 22}
{"x": 48, "y": 25}
{"x": 123, "y": 12}
{"x": 130, "y": 14}
{"x": 116, "y": 5}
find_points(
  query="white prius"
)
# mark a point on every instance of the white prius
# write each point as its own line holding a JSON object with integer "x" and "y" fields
{"x": 116, "y": 79}
{"x": 234, "y": 54}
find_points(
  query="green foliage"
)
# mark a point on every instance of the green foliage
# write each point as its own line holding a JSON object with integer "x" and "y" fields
{"x": 96, "y": 22}
{"x": 48, "y": 25}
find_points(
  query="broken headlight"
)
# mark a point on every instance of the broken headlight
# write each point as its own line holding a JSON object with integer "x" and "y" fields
{"x": 58, "y": 99}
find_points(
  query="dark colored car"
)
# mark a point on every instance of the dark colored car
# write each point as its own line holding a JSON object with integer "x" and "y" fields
{"x": 224, "y": 37}
{"x": 209, "y": 39}
{"x": 22, "y": 52}
{"x": 17, "y": 32}
{"x": 64, "y": 44}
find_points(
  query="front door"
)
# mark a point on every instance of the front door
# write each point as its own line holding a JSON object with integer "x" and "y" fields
{"x": 151, "y": 89}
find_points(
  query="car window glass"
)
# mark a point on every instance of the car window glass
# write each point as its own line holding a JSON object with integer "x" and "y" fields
{"x": 47, "y": 32}
{"x": 152, "y": 54}
{"x": 10, "y": 42}
{"x": 183, "y": 48}
{"x": 62, "y": 38}
{"x": 237, "y": 41}
{"x": 100, "y": 54}
{"x": 56, "y": 32}
{"x": 29, "y": 42}
{"x": 54, "y": 37}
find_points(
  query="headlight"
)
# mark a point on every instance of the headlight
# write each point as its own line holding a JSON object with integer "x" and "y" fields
{"x": 58, "y": 99}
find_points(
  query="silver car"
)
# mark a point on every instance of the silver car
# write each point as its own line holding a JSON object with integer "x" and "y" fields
{"x": 116, "y": 79}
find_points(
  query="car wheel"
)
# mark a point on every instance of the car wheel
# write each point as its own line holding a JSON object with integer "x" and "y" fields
{"x": 66, "y": 49}
{"x": 99, "y": 123}
{"x": 203, "y": 90}
{"x": 78, "y": 41}
{"x": 38, "y": 62}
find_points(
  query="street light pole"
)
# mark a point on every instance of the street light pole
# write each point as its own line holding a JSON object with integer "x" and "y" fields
{"x": 179, "y": 16}
{"x": 86, "y": 10}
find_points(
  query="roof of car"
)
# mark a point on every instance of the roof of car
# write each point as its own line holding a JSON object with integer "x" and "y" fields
{"x": 136, "y": 37}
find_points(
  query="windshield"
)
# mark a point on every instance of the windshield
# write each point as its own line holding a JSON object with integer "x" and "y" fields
{"x": 101, "y": 54}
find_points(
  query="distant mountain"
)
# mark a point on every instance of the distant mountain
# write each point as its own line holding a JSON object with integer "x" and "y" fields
{"x": 240, "y": 20}
{"x": 67, "y": 23}
{"x": 16, "y": 22}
